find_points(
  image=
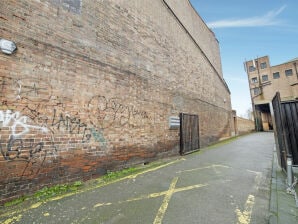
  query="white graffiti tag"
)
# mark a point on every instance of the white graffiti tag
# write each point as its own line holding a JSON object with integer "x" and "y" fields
{"x": 17, "y": 123}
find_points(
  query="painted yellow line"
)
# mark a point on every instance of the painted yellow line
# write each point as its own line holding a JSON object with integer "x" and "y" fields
{"x": 36, "y": 205}
{"x": 152, "y": 195}
{"x": 163, "y": 208}
{"x": 9, "y": 214}
{"x": 101, "y": 204}
{"x": 205, "y": 167}
{"x": 190, "y": 187}
{"x": 153, "y": 169}
{"x": 13, "y": 219}
{"x": 245, "y": 216}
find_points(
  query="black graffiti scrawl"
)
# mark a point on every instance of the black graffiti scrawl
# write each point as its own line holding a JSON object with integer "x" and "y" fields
{"x": 111, "y": 112}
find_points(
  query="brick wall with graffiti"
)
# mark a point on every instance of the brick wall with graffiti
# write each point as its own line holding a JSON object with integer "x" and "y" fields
{"x": 92, "y": 85}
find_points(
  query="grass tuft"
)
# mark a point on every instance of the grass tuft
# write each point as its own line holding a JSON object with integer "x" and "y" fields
{"x": 46, "y": 193}
{"x": 113, "y": 175}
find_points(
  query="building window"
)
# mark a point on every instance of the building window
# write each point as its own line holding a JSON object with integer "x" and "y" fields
{"x": 264, "y": 78}
{"x": 289, "y": 72}
{"x": 263, "y": 65}
{"x": 257, "y": 91}
{"x": 251, "y": 68}
{"x": 276, "y": 75}
{"x": 254, "y": 80}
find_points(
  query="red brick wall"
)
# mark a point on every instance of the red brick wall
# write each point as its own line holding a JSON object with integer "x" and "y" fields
{"x": 92, "y": 86}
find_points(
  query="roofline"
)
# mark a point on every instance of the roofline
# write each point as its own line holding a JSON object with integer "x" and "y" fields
{"x": 196, "y": 43}
{"x": 202, "y": 20}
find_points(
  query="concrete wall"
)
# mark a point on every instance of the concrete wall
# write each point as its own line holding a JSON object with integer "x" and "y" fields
{"x": 93, "y": 84}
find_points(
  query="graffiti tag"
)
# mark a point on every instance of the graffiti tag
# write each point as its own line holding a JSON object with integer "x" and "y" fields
{"x": 18, "y": 123}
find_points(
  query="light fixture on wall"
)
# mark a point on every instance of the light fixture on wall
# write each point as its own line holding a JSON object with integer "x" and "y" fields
{"x": 7, "y": 46}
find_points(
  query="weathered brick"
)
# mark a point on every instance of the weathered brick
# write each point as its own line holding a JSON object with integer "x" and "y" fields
{"x": 92, "y": 86}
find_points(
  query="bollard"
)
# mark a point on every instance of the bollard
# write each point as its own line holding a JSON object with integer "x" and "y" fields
{"x": 289, "y": 171}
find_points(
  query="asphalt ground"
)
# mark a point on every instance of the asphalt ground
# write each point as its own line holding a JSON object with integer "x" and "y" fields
{"x": 226, "y": 183}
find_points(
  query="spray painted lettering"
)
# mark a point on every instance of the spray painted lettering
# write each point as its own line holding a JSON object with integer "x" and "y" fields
{"x": 73, "y": 125}
{"x": 27, "y": 151}
{"x": 18, "y": 123}
{"x": 60, "y": 122}
{"x": 17, "y": 149}
{"x": 29, "y": 89}
{"x": 110, "y": 112}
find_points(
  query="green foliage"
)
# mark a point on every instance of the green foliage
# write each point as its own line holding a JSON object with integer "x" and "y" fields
{"x": 48, "y": 192}
{"x": 60, "y": 189}
{"x": 118, "y": 174}
{"x": 15, "y": 201}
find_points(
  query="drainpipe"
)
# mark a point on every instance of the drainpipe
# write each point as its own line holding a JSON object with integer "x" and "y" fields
{"x": 295, "y": 66}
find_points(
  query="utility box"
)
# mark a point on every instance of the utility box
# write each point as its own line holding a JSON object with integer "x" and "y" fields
{"x": 174, "y": 122}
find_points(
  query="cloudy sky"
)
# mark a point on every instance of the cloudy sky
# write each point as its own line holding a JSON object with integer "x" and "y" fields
{"x": 247, "y": 30}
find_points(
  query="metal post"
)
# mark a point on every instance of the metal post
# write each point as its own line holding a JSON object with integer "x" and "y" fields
{"x": 290, "y": 177}
{"x": 289, "y": 171}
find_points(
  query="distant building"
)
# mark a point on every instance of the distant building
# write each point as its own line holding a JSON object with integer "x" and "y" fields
{"x": 265, "y": 81}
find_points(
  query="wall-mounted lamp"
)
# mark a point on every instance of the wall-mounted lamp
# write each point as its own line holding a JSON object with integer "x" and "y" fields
{"x": 7, "y": 46}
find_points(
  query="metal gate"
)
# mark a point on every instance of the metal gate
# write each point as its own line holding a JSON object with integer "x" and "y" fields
{"x": 189, "y": 133}
{"x": 286, "y": 122}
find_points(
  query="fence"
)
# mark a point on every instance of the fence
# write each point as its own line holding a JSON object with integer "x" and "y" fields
{"x": 286, "y": 122}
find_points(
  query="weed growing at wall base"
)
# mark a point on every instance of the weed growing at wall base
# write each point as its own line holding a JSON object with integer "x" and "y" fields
{"x": 110, "y": 176}
{"x": 15, "y": 201}
{"x": 47, "y": 192}
{"x": 60, "y": 189}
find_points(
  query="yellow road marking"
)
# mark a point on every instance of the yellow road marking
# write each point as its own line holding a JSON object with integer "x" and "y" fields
{"x": 168, "y": 194}
{"x": 152, "y": 195}
{"x": 163, "y": 208}
{"x": 36, "y": 205}
{"x": 206, "y": 167}
{"x": 83, "y": 190}
{"x": 190, "y": 187}
{"x": 245, "y": 216}
{"x": 153, "y": 169}
{"x": 101, "y": 204}
{"x": 13, "y": 219}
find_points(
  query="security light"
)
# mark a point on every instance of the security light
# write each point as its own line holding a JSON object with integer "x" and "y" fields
{"x": 7, "y": 46}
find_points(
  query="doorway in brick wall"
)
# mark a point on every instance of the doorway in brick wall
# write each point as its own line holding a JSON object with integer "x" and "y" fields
{"x": 189, "y": 133}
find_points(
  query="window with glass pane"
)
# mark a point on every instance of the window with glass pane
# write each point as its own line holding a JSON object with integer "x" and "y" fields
{"x": 276, "y": 75}
{"x": 254, "y": 80}
{"x": 289, "y": 72}
{"x": 263, "y": 65}
{"x": 264, "y": 78}
{"x": 251, "y": 68}
{"x": 257, "y": 91}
